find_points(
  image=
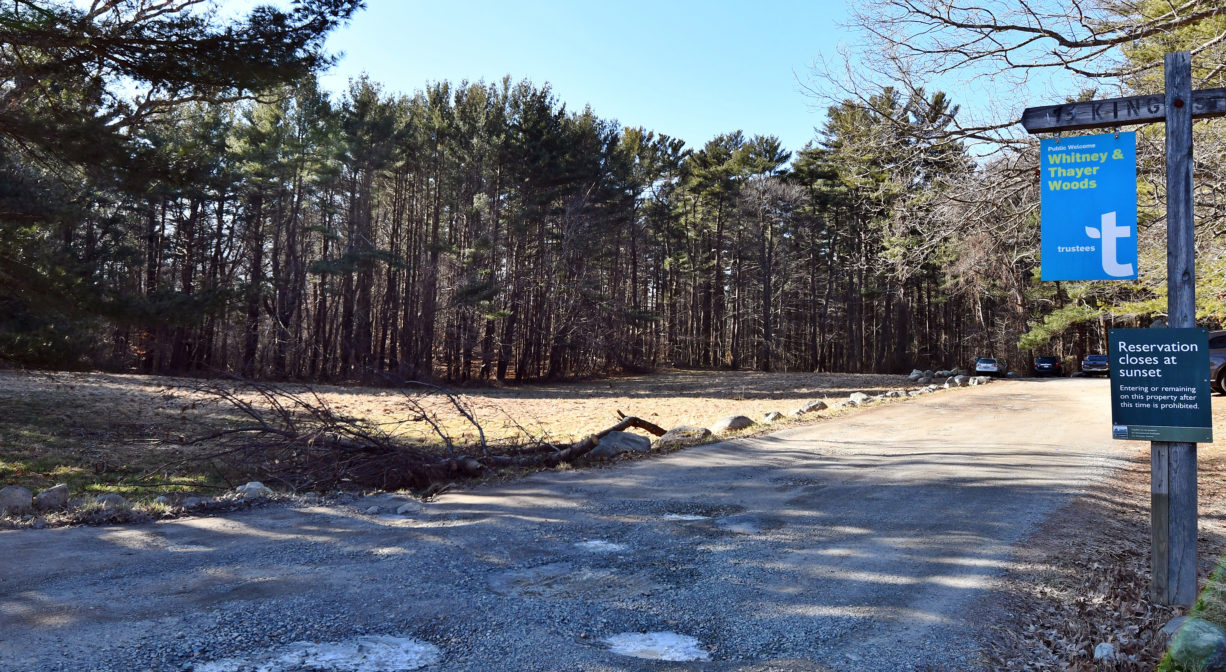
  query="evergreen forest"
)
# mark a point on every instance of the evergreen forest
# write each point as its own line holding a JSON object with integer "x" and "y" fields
{"x": 206, "y": 207}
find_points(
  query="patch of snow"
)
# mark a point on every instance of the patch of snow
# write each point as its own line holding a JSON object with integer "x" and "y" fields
{"x": 602, "y": 546}
{"x": 684, "y": 516}
{"x": 375, "y": 653}
{"x": 657, "y": 646}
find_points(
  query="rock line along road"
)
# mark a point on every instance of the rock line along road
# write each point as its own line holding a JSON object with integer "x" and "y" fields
{"x": 867, "y": 542}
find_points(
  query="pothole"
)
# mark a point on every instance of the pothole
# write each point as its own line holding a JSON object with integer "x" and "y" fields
{"x": 566, "y": 581}
{"x": 602, "y": 546}
{"x": 749, "y": 523}
{"x": 668, "y": 646}
{"x": 375, "y": 653}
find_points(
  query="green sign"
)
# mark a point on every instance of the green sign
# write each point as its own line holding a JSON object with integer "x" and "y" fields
{"x": 1160, "y": 385}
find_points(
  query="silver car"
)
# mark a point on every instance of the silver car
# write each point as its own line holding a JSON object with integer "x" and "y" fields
{"x": 989, "y": 366}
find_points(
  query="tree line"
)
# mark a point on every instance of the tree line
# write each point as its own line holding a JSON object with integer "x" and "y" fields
{"x": 486, "y": 231}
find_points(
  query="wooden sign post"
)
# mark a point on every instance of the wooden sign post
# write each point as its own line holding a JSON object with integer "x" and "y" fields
{"x": 1173, "y": 465}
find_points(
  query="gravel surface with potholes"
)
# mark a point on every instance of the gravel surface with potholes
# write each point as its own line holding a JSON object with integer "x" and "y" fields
{"x": 872, "y": 542}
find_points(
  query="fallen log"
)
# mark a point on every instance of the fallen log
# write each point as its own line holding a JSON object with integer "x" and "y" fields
{"x": 298, "y": 439}
{"x": 551, "y": 456}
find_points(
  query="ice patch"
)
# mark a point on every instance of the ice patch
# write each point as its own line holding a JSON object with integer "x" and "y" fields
{"x": 657, "y": 646}
{"x": 375, "y": 653}
{"x": 684, "y": 516}
{"x": 601, "y": 546}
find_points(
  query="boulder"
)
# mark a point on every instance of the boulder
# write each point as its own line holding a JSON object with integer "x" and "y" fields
{"x": 962, "y": 381}
{"x": 930, "y": 388}
{"x": 55, "y": 497}
{"x": 408, "y": 509}
{"x": 859, "y": 398}
{"x": 810, "y": 407}
{"x": 111, "y": 501}
{"x": 1197, "y": 643}
{"x": 163, "y": 500}
{"x": 15, "y": 500}
{"x": 915, "y": 375}
{"x": 385, "y": 502}
{"x": 731, "y": 424}
{"x": 683, "y": 436}
{"x": 253, "y": 490}
{"x": 926, "y": 380}
{"x": 957, "y": 372}
{"x": 773, "y": 416}
{"x": 1168, "y": 631}
{"x": 944, "y": 373}
{"x": 929, "y": 373}
{"x": 616, "y": 443}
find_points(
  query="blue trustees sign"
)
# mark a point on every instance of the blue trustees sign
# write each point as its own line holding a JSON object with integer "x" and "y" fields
{"x": 1088, "y": 198}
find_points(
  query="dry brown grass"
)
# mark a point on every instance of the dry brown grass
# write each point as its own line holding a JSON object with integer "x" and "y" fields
{"x": 125, "y": 433}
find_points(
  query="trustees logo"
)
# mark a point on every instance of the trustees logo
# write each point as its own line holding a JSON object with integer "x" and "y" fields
{"x": 1110, "y": 234}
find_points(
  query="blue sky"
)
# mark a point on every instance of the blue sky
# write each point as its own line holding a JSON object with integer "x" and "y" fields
{"x": 690, "y": 69}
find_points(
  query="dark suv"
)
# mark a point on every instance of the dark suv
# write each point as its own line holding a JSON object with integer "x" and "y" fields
{"x": 1047, "y": 366}
{"x": 1095, "y": 365}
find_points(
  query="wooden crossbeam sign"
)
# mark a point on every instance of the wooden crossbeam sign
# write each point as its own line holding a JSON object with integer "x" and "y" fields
{"x": 1173, "y": 465}
{"x": 1112, "y": 112}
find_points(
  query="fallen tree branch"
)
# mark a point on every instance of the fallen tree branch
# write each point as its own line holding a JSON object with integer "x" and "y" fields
{"x": 301, "y": 441}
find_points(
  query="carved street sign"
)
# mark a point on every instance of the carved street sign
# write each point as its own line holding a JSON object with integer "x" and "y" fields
{"x": 1111, "y": 112}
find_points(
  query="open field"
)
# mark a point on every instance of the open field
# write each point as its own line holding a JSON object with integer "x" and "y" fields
{"x": 125, "y": 433}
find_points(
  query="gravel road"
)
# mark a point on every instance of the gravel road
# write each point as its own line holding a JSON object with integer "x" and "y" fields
{"x": 867, "y": 542}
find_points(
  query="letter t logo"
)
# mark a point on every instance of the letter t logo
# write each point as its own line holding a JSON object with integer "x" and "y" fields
{"x": 1110, "y": 236}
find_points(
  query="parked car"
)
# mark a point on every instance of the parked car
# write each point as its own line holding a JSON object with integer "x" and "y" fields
{"x": 1047, "y": 366}
{"x": 1095, "y": 365}
{"x": 989, "y": 366}
{"x": 1217, "y": 361}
